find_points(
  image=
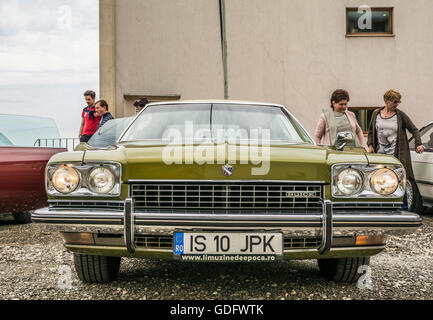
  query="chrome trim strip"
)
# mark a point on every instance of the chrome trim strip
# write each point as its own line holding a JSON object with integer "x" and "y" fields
{"x": 231, "y": 223}
{"x": 336, "y": 249}
{"x": 228, "y": 181}
{"x": 71, "y": 220}
{"x": 170, "y": 251}
{"x": 85, "y": 201}
{"x": 425, "y": 182}
{"x": 398, "y": 216}
{"x": 129, "y": 229}
{"x": 327, "y": 228}
{"x": 344, "y": 204}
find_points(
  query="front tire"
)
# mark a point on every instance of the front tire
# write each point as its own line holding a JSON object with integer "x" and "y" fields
{"x": 23, "y": 217}
{"x": 414, "y": 199}
{"x": 343, "y": 269}
{"x": 96, "y": 269}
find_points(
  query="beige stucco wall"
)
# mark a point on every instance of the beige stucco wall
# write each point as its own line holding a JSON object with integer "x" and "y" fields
{"x": 167, "y": 47}
{"x": 296, "y": 53}
{"x": 290, "y": 52}
{"x": 107, "y": 52}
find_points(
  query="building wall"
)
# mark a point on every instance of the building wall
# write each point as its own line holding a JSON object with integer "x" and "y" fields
{"x": 166, "y": 47}
{"x": 289, "y": 52}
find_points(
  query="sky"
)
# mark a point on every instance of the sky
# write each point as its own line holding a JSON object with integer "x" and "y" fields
{"x": 49, "y": 55}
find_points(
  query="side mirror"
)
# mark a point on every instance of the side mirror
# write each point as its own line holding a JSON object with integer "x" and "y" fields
{"x": 343, "y": 138}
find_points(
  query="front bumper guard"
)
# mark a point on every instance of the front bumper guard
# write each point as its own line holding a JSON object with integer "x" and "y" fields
{"x": 328, "y": 224}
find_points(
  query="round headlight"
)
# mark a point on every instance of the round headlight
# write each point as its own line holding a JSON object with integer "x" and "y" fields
{"x": 384, "y": 181}
{"x": 65, "y": 179}
{"x": 349, "y": 182}
{"x": 100, "y": 180}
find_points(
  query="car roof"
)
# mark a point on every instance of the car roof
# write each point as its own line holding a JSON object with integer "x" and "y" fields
{"x": 216, "y": 101}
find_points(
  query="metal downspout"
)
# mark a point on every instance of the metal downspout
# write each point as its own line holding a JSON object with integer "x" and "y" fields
{"x": 222, "y": 4}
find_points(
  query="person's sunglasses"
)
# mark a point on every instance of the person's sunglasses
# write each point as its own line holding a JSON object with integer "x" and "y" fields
{"x": 396, "y": 102}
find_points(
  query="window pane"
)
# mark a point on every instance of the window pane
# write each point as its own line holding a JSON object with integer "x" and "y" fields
{"x": 239, "y": 123}
{"x": 24, "y": 131}
{"x": 162, "y": 122}
{"x": 108, "y": 134}
{"x": 380, "y": 22}
{"x": 4, "y": 141}
{"x": 427, "y": 138}
{"x": 216, "y": 124}
{"x": 363, "y": 116}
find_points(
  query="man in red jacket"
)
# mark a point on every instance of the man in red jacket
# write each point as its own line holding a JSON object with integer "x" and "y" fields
{"x": 89, "y": 118}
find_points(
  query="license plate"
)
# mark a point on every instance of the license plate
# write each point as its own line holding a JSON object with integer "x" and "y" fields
{"x": 228, "y": 246}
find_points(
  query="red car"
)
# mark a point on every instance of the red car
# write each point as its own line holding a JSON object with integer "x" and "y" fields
{"x": 22, "y": 185}
{"x": 22, "y": 169}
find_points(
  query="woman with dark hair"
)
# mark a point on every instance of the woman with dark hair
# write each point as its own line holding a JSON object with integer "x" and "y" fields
{"x": 338, "y": 119}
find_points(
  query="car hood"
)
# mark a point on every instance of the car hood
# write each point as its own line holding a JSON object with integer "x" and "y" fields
{"x": 300, "y": 163}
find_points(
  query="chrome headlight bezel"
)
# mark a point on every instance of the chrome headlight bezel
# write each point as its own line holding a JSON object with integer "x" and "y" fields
{"x": 367, "y": 171}
{"x": 84, "y": 170}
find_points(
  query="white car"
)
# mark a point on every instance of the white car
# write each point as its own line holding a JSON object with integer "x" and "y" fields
{"x": 422, "y": 164}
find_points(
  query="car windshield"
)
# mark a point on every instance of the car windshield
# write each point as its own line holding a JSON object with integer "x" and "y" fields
{"x": 25, "y": 131}
{"x": 108, "y": 134}
{"x": 216, "y": 123}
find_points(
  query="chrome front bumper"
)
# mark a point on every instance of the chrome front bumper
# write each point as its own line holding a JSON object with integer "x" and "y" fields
{"x": 326, "y": 225}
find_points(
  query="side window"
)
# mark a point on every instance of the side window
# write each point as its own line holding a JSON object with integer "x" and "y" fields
{"x": 427, "y": 138}
{"x": 28, "y": 131}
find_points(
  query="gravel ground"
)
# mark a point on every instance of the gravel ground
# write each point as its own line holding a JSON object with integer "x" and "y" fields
{"x": 33, "y": 263}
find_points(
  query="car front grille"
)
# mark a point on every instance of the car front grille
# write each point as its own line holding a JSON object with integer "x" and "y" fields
{"x": 103, "y": 205}
{"x": 166, "y": 242}
{"x": 227, "y": 195}
{"x": 143, "y": 241}
{"x": 352, "y": 207}
{"x": 301, "y": 243}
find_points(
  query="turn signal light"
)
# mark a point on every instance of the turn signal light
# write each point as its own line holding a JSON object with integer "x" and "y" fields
{"x": 78, "y": 238}
{"x": 370, "y": 240}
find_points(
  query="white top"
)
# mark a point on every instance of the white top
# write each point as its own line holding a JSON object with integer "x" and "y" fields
{"x": 386, "y": 134}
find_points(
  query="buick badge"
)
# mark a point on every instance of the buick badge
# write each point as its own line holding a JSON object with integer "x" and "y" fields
{"x": 227, "y": 170}
{"x": 301, "y": 194}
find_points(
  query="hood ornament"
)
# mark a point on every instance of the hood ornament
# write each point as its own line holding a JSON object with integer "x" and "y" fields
{"x": 227, "y": 170}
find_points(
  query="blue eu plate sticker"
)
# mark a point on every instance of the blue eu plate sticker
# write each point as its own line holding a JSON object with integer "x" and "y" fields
{"x": 178, "y": 243}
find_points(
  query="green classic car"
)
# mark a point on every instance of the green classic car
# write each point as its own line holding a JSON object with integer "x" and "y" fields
{"x": 223, "y": 181}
